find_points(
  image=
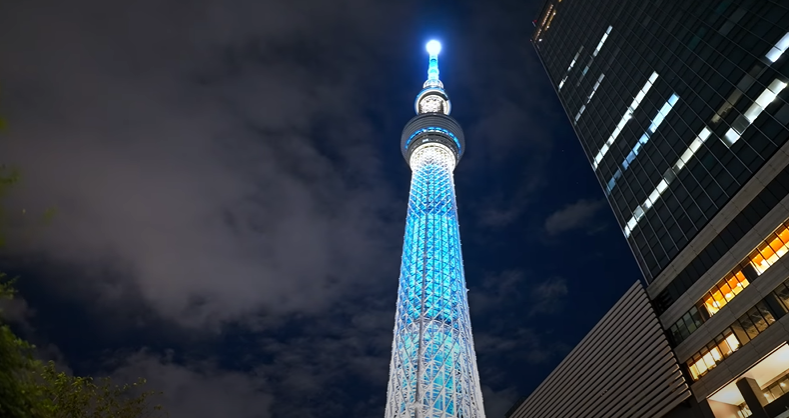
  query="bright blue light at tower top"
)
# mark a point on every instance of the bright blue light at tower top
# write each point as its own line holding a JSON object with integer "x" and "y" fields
{"x": 433, "y": 47}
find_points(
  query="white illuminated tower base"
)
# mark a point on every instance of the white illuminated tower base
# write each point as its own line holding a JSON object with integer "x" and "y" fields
{"x": 433, "y": 373}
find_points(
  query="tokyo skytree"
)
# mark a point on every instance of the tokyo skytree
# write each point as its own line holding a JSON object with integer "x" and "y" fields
{"x": 433, "y": 372}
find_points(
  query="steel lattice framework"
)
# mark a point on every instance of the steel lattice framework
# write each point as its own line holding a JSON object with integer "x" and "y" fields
{"x": 433, "y": 372}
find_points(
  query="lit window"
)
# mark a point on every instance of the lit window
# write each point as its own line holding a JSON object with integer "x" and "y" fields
{"x": 715, "y": 352}
{"x": 580, "y": 112}
{"x": 724, "y": 291}
{"x": 684, "y": 159}
{"x": 589, "y": 98}
{"x": 709, "y": 360}
{"x": 746, "y": 119}
{"x": 572, "y": 63}
{"x": 594, "y": 54}
{"x": 694, "y": 371}
{"x": 626, "y": 117}
{"x": 776, "y": 51}
{"x": 734, "y": 344}
{"x": 656, "y": 121}
{"x": 770, "y": 250}
{"x": 596, "y": 85}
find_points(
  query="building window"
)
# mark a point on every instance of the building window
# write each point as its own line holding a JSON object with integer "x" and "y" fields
{"x": 744, "y": 411}
{"x": 742, "y": 331}
{"x": 770, "y": 250}
{"x": 776, "y": 51}
{"x": 746, "y": 119}
{"x": 724, "y": 291}
{"x": 715, "y": 352}
{"x": 777, "y": 389}
{"x": 766, "y": 254}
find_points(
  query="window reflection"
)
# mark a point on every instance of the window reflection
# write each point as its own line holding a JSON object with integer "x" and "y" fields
{"x": 742, "y": 331}
{"x": 770, "y": 251}
{"x": 776, "y": 389}
{"x": 758, "y": 261}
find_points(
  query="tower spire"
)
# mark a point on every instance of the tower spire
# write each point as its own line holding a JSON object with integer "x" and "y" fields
{"x": 433, "y": 48}
{"x": 432, "y": 98}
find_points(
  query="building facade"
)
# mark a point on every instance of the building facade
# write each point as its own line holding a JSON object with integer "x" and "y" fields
{"x": 681, "y": 108}
{"x": 433, "y": 372}
{"x": 623, "y": 368}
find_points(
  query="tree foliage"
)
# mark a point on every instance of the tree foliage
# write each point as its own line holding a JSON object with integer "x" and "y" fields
{"x": 30, "y": 388}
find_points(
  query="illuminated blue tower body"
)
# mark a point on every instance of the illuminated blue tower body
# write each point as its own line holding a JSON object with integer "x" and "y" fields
{"x": 433, "y": 373}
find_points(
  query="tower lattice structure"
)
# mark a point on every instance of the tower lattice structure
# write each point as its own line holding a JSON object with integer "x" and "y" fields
{"x": 433, "y": 372}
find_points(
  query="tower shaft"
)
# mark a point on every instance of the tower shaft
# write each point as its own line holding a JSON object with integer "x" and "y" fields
{"x": 433, "y": 370}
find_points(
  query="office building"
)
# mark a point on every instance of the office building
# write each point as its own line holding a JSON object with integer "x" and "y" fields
{"x": 681, "y": 109}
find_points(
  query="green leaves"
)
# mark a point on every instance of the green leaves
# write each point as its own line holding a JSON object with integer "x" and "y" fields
{"x": 32, "y": 389}
{"x": 83, "y": 397}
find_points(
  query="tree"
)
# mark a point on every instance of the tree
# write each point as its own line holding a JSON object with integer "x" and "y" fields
{"x": 68, "y": 396}
{"x": 32, "y": 389}
{"x": 19, "y": 392}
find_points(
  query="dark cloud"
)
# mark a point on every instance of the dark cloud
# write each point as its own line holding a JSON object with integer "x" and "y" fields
{"x": 199, "y": 389}
{"x": 216, "y": 148}
{"x": 574, "y": 216}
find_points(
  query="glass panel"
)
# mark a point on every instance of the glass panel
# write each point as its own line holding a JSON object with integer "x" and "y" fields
{"x": 697, "y": 319}
{"x": 694, "y": 372}
{"x": 766, "y": 313}
{"x": 741, "y": 278}
{"x": 776, "y": 391}
{"x": 724, "y": 348}
{"x": 716, "y": 354}
{"x": 783, "y": 294}
{"x": 683, "y": 330}
{"x": 709, "y": 303}
{"x": 691, "y": 326}
{"x": 718, "y": 300}
{"x": 726, "y": 290}
{"x": 731, "y": 339}
{"x": 739, "y": 331}
{"x": 748, "y": 326}
{"x": 758, "y": 262}
{"x": 785, "y": 384}
{"x": 769, "y": 397}
{"x": 675, "y": 334}
{"x": 783, "y": 234}
{"x": 735, "y": 285}
{"x": 768, "y": 254}
{"x": 757, "y": 319}
{"x": 709, "y": 360}
{"x": 777, "y": 245}
{"x": 701, "y": 366}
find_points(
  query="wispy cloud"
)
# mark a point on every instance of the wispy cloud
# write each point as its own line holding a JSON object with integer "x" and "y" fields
{"x": 548, "y": 296}
{"x": 198, "y": 389}
{"x": 578, "y": 215}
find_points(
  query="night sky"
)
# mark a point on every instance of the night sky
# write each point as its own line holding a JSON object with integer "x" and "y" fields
{"x": 230, "y": 196}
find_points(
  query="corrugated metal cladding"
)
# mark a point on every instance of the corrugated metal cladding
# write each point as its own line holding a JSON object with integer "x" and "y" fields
{"x": 624, "y": 367}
